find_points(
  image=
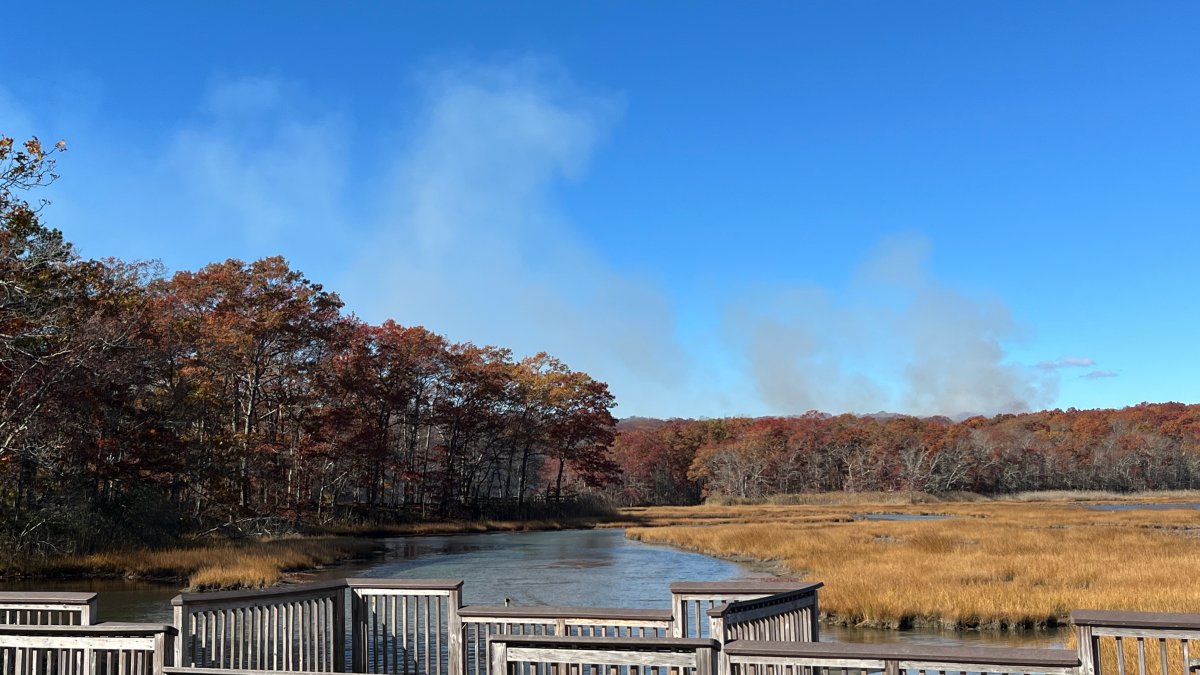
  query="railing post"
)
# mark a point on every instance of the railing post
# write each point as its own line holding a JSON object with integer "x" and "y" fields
{"x": 716, "y": 631}
{"x": 890, "y": 666}
{"x": 706, "y": 661}
{"x": 358, "y": 633}
{"x": 455, "y": 634}
{"x": 678, "y": 616}
{"x": 1089, "y": 655}
{"x": 814, "y": 618}
{"x": 87, "y": 613}
{"x": 178, "y": 612}
{"x": 163, "y": 651}
{"x": 497, "y": 658}
{"x": 339, "y": 630}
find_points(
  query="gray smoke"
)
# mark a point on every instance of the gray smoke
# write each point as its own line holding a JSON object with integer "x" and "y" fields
{"x": 893, "y": 339}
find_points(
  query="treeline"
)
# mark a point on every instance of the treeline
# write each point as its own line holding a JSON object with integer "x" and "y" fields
{"x": 1144, "y": 447}
{"x": 136, "y": 406}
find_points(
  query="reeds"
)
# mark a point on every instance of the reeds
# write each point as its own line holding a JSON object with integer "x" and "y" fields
{"x": 992, "y": 564}
{"x": 257, "y": 563}
{"x": 212, "y": 565}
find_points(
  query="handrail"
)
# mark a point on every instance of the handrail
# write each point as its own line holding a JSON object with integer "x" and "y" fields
{"x": 894, "y": 659}
{"x": 406, "y": 584}
{"x": 212, "y": 597}
{"x": 742, "y": 587}
{"x": 1100, "y": 638}
{"x": 697, "y": 655}
{"x": 633, "y": 644}
{"x": 47, "y": 608}
{"x": 597, "y": 613}
{"x": 999, "y": 656}
{"x": 1154, "y": 620}
{"x": 46, "y": 598}
{"x": 106, "y": 629}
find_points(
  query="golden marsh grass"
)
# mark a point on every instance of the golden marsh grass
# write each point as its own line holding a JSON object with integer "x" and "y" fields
{"x": 257, "y": 563}
{"x": 1004, "y": 564}
{"x": 212, "y": 565}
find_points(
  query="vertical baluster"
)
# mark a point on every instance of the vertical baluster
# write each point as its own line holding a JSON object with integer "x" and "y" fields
{"x": 1141, "y": 644}
{"x": 437, "y": 632}
{"x": 272, "y": 653}
{"x": 323, "y": 635}
{"x": 395, "y": 634}
{"x": 404, "y": 630}
{"x": 426, "y": 639}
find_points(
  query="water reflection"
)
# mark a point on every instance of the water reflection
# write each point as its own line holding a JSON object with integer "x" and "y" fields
{"x": 118, "y": 599}
{"x": 589, "y": 568}
{"x": 1050, "y": 637}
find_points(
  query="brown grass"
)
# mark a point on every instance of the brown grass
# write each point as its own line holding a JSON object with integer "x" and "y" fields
{"x": 257, "y": 563}
{"x": 212, "y": 565}
{"x": 470, "y": 527}
{"x": 999, "y": 564}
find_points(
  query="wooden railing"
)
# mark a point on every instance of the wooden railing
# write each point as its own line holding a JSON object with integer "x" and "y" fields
{"x": 691, "y": 601}
{"x": 300, "y": 627}
{"x": 790, "y": 616}
{"x": 481, "y": 622}
{"x": 745, "y": 657}
{"x": 47, "y": 609}
{"x": 1115, "y": 643}
{"x": 406, "y": 626}
{"x": 102, "y": 649}
{"x": 547, "y": 655}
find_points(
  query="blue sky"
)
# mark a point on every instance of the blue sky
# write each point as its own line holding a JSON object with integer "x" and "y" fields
{"x": 761, "y": 208}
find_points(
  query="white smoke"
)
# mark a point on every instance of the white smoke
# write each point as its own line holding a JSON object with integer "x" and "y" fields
{"x": 894, "y": 339}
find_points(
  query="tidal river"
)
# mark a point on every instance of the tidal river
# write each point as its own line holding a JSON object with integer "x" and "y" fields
{"x": 592, "y": 568}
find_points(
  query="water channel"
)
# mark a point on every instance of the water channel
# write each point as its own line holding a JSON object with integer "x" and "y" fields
{"x": 590, "y": 568}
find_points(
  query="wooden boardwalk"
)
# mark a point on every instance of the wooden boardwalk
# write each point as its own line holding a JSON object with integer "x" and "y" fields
{"x": 421, "y": 627}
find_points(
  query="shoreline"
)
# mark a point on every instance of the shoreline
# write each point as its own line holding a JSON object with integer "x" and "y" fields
{"x": 259, "y": 562}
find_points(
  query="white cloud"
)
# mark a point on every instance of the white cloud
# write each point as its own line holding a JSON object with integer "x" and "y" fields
{"x": 470, "y": 243}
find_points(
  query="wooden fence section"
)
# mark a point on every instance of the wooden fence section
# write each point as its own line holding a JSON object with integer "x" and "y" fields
{"x": 104, "y": 649}
{"x": 297, "y": 628}
{"x": 483, "y": 622}
{"x": 746, "y": 657}
{"x": 548, "y": 655}
{"x": 790, "y": 616}
{"x": 406, "y": 626}
{"x": 47, "y": 609}
{"x": 691, "y": 601}
{"x": 1142, "y": 643}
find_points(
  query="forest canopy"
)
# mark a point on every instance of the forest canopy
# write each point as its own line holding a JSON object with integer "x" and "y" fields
{"x": 1151, "y": 446}
{"x": 136, "y": 406}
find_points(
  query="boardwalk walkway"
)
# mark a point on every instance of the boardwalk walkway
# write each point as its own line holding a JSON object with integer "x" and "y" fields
{"x": 421, "y": 627}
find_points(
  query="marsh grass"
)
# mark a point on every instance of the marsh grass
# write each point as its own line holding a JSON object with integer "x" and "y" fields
{"x": 474, "y": 526}
{"x": 993, "y": 564}
{"x": 260, "y": 562}
{"x": 210, "y": 565}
